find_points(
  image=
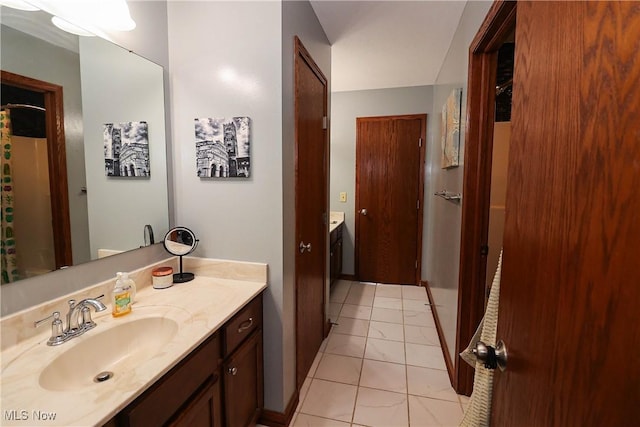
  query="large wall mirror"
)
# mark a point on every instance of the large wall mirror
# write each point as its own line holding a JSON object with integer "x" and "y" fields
{"x": 94, "y": 192}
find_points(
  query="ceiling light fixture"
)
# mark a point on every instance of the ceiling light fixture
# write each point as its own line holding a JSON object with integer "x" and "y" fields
{"x": 69, "y": 27}
{"x": 88, "y": 16}
{"x": 18, "y": 4}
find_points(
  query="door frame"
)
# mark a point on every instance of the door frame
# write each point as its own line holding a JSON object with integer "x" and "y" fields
{"x": 422, "y": 151}
{"x": 483, "y": 57}
{"x": 301, "y": 54}
{"x": 56, "y": 152}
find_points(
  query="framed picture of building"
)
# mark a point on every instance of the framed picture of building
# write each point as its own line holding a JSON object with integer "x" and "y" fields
{"x": 450, "y": 130}
{"x": 223, "y": 147}
{"x": 126, "y": 149}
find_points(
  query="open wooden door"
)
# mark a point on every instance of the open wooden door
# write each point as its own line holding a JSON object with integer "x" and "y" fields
{"x": 570, "y": 291}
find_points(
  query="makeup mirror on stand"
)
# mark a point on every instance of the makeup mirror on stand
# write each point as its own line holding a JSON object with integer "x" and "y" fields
{"x": 180, "y": 241}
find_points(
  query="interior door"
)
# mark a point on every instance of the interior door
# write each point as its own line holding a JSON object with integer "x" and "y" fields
{"x": 571, "y": 283}
{"x": 311, "y": 201}
{"x": 389, "y": 165}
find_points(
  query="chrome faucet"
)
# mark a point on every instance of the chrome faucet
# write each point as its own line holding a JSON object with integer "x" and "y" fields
{"x": 78, "y": 320}
{"x": 79, "y": 315}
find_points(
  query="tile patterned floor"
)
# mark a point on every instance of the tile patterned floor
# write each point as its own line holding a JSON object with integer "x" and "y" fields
{"x": 381, "y": 365}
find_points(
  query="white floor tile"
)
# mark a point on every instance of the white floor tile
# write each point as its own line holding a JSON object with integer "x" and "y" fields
{"x": 314, "y": 365}
{"x": 391, "y": 291}
{"x": 426, "y": 356}
{"x": 339, "y": 291}
{"x": 356, "y": 311}
{"x": 421, "y": 335}
{"x": 323, "y": 346}
{"x": 386, "y": 331}
{"x": 419, "y": 318}
{"x": 384, "y": 376}
{"x": 414, "y": 292}
{"x": 334, "y": 310}
{"x": 432, "y": 383}
{"x": 342, "y": 369}
{"x": 415, "y": 305}
{"x": 386, "y": 315}
{"x": 386, "y": 351}
{"x": 303, "y": 392}
{"x": 377, "y": 408}
{"x": 362, "y": 287}
{"x": 304, "y": 420}
{"x": 350, "y": 326}
{"x": 330, "y": 400}
{"x": 385, "y": 302}
{"x": 360, "y": 298}
{"x": 431, "y": 412}
{"x": 346, "y": 345}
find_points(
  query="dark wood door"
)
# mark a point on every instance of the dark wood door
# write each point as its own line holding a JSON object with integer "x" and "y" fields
{"x": 571, "y": 283}
{"x": 311, "y": 207}
{"x": 389, "y": 166}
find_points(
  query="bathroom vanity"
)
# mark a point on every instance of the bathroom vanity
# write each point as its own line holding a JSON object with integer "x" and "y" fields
{"x": 336, "y": 224}
{"x": 187, "y": 355}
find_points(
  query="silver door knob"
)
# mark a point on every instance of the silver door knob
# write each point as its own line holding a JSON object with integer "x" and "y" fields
{"x": 304, "y": 247}
{"x": 491, "y": 357}
{"x": 363, "y": 212}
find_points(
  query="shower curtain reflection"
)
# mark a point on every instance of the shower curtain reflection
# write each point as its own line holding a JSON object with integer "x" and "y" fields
{"x": 8, "y": 248}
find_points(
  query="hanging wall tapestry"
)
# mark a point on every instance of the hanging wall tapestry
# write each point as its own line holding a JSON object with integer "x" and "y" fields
{"x": 126, "y": 149}
{"x": 223, "y": 147}
{"x": 450, "y": 129}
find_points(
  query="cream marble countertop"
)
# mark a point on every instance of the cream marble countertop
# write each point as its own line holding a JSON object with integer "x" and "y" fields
{"x": 199, "y": 307}
{"x": 335, "y": 219}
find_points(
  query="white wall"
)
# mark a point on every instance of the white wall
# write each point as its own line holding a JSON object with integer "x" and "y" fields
{"x": 444, "y": 217}
{"x": 225, "y": 61}
{"x": 346, "y": 107}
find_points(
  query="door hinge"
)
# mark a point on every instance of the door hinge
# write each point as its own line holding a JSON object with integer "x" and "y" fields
{"x": 418, "y": 205}
{"x": 324, "y": 218}
{"x": 420, "y": 142}
{"x": 416, "y": 264}
{"x": 484, "y": 250}
{"x": 325, "y": 122}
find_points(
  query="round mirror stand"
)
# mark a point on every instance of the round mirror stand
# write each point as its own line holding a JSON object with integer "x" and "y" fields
{"x": 180, "y": 241}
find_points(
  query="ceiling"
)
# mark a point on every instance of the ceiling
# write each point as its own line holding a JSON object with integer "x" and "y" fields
{"x": 385, "y": 44}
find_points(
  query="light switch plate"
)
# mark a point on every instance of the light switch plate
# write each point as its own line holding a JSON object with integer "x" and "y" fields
{"x": 343, "y": 196}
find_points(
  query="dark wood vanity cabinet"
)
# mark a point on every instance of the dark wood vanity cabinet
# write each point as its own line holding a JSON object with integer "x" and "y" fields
{"x": 242, "y": 367}
{"x": 335, "y": 253}
{"x": 218, "y": 384}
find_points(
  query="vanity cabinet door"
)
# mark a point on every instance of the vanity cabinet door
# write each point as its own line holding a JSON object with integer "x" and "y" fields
{"x": 243, "y": 383}
{"x": 178, "y": 389}
{"x": 204, "y": 410}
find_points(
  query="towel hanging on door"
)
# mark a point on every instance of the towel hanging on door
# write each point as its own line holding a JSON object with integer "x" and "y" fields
{"x": 478, "y": 411}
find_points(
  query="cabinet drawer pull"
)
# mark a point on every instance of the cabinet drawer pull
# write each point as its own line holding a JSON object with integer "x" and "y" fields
{"x": 245, "y": 325}
{"x": 232, "y": 371}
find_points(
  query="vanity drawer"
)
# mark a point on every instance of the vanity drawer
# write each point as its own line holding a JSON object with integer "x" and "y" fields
{"x": 242, "y": 324}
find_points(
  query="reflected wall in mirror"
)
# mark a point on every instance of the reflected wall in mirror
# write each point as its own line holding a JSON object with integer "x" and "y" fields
{"x": 100, "y": 83}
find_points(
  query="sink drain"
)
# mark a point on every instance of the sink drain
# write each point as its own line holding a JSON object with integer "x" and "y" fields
{"x": 103, "y": 376}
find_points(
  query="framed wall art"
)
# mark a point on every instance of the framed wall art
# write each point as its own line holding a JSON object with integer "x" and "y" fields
{"x": 223, "y": 147}
{"x": 450, "y": 129}
{"x": 126, "y": 149}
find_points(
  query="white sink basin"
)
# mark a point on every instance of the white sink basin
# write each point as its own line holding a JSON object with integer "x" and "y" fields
{"x": 117, "y": 350}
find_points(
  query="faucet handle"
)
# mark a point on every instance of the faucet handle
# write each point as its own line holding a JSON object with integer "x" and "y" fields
{"x": 57, "y": 334}
{"x": 87, "y": 322}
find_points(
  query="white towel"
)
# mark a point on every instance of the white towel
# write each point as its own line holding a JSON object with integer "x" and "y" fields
{"x": 478, "y": 411}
